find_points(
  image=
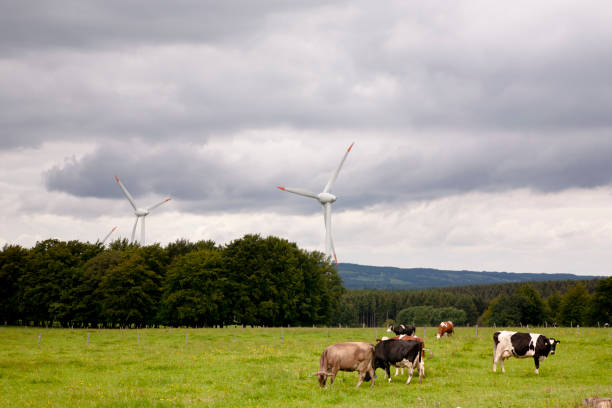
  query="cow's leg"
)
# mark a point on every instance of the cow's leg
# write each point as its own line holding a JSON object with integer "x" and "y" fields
{"x": 388, "y": 371}
{"x": 371, "y": 371}
{"x": 333, "y": 375}
{"x": 495, "y": 360}
{"x": 536, "y": 359}
{"x": 417, "y": 364}
{"x": 410, "y": 367}
{"x": 362, "y": 375}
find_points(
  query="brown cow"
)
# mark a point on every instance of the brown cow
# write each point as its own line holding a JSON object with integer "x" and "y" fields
{"x": 445, "y": 328}
{"x": 349, "y": 356}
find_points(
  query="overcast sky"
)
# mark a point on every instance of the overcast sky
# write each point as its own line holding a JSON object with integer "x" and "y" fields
{"x": 482, "y": 130}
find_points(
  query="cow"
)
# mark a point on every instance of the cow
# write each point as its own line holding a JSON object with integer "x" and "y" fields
{"x": 406, "y": 353}
{"x": 522, "y": 345}
{"x": 445, "y": 328}
{"x": 349, "y": 356}
{"x": 413, "y": 338}
{"x": 406, "y": 329}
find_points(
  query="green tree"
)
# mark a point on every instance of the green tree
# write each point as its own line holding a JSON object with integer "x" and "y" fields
{"x": 443, "y": 314}
{"x": 554, "y": 305}
{"x": 575, "y": 306}
{"x": 87, "y": 304}
{"x": 601, "y": 310}
{"x": 504, "y": 311}
{"x": 51, "y": 273}
{"x": 130, "y": 291}
{"x": 193, "y": 290}
{"x": 532, "y": 308}
{"x": 12, "y": 268}
{"x": 417, "y": 315}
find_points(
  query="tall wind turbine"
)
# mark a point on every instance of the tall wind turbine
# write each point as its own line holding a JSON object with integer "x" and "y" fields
{"x": 108, "y": 235}
{"x": 326, "y": 199}
{"x": 139, "y": 212}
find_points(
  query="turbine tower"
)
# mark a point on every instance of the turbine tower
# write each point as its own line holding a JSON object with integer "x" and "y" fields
{"x": 326, "y": 199}
{"x": 139, "y": 212}
{"x": 108, "y": 235}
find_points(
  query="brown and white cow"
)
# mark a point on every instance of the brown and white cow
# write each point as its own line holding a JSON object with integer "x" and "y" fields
{"x": 445, "y": 328}
{"x": 349, "y": 356}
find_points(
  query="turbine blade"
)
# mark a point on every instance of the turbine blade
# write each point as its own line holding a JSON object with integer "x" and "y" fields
{"x": 134, "y": 229}
{"x": 299, "y": 191}
{"x": 142, "y": 232}
{"x": 108, "y": 235}
{"x": 127, "y": 193}
{"x": 329, "y": 242}
{"x": 158, "y": 204}
{"x": 331, "y": 181}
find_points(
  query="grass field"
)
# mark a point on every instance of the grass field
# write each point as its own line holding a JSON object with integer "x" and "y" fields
{"x": 272, "y": 367}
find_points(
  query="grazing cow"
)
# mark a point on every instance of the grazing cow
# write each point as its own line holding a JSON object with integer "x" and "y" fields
{"x": 522, "y": 345}
{"x": 413, "y": 338}
{"x": 348, "y": 356}
{"x": 445, "y": 328}
{"x": 406, "y": 329}
{"x": 406, "y": 353}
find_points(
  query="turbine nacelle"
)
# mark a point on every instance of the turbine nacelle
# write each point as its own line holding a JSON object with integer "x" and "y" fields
{"x": 325, "y": 198}
{"x": 141, "y": 212}
{"x": 138, "y": 212}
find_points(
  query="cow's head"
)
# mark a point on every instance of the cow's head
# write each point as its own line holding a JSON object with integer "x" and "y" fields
{"x": 322, "y": 375}
{"x": 553, "y": 344}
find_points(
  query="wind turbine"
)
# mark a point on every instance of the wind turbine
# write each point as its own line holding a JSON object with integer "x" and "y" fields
{"x": 139, "y": 212}
{"x": 108, "y": 235}
{"x": 326, "y": 199}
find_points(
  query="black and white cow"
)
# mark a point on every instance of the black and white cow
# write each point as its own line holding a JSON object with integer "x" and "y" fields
{"x": 406, "y": 353}
{"x": 521, "y": 345}
{"x": 406, "y": 329}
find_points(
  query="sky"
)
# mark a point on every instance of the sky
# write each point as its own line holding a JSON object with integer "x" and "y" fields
{"x": 483, "y": 131}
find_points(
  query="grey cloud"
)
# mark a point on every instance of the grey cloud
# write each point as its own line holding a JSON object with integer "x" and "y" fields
{"x": 86, "y": 25}
{"x": 202, "y": 180}
{"x": 545, "y": 164}
{"x": 198, "y": 182}
{"x": 221, "y": 67}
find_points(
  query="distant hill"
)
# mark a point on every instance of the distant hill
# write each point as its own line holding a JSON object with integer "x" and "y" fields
{"x": 357, "y": 276}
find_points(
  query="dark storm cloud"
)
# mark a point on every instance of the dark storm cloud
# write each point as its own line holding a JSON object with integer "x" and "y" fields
{"x": 198, "y": 181}
{"x": 202, "y": 179}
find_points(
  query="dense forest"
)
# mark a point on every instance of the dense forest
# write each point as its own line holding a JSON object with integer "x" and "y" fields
{"x": 255, "y": 281}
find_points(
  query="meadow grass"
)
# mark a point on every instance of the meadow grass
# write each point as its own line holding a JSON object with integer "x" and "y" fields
{"x": 267, "y": 367}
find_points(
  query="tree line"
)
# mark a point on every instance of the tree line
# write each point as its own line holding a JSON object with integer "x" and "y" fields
{"x": 585, "y": 303}
{"x": 250, "y": 281}
{"x": 255, "y": 281}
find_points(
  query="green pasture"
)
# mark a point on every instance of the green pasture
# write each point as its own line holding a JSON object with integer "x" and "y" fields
{"x": 272, "y": 367}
